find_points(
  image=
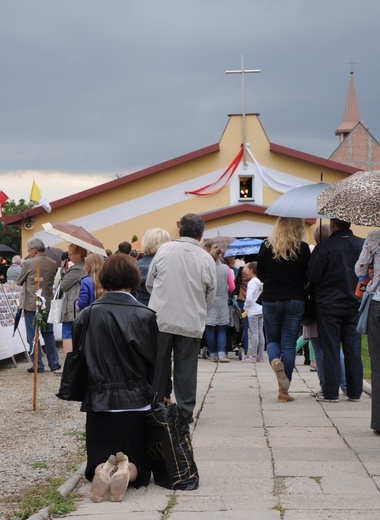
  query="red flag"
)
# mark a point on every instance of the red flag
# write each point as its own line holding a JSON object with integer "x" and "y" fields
{"x": 3, "y": 198}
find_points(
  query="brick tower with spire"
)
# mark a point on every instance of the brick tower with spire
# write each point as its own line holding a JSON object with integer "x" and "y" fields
{"x": 357, "y": 148}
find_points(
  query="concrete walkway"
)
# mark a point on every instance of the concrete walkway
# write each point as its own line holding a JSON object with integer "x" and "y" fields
{"x": 260, "y": 459}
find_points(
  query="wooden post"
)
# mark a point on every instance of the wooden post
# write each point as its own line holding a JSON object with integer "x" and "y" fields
{"x": 37, "y": 279}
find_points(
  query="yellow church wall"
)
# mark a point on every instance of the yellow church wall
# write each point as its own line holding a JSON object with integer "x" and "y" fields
{"x": 159, "y": 200}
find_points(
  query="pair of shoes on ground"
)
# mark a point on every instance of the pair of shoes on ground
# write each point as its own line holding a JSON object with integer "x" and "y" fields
{"x": 113, "y": 476}
{"x": 221, "y": 360}
{"x": 249, "y": 359}
{"x": 39, "y": 370}
{"x": 321, "y": 397}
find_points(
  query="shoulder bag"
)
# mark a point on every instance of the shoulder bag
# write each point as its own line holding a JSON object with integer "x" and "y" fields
{"x": 75, "y": 372}
{"x": 169, "y": 447}
{"x": 55, "y": 313}
{"x": 362, "y": 326}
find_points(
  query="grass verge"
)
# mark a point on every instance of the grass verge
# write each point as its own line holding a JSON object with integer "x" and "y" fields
{"x": 44, "y": 496}
{"x": 365, "y": 360}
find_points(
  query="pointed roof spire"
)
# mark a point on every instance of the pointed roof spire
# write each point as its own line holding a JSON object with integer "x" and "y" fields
{"x": 351, "y": 112}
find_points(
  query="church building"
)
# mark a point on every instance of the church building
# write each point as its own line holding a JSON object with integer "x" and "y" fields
{"x": 357, "y": 146}
{"x": 228, "y": 184}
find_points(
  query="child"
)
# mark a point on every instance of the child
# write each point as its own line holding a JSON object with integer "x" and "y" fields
{"x": 256, "y": 340}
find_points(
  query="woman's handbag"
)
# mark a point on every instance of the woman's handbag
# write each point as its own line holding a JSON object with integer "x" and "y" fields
{"x": 362, "y": 325}
{"x": 169, "y": 447}
{"x": 55, "y": 313}
{"x": 310, "y": 313}
{"x": 75, "y": 373}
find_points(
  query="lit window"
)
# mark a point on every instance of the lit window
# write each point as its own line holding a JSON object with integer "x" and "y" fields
{"x": 246, "y": 187}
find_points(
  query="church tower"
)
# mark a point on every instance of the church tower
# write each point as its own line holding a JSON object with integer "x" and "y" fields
{"x": 357, "y": 148}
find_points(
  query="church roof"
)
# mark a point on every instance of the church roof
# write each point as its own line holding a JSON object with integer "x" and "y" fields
{"x": 351, "y": 112}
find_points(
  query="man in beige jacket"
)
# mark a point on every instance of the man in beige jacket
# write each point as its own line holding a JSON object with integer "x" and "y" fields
{"x": 26, "y": 278}
{"x": 182, "y": 281}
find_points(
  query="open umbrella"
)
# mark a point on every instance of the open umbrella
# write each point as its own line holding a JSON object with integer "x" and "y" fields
{"x": 55, "y": 253}
{"x": 243, "y": 246}
{"x": 6, "y": 250}
{"x": 355, "y": 199}
{"x": 223, "y": 242}
{"x": 75, "y": 235}
{"x": 300, "y": 202}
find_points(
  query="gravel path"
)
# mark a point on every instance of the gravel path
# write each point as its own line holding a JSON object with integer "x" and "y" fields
{"x": 34, "y": 446}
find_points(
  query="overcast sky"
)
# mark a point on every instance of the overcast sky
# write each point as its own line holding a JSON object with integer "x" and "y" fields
{"x": 94, "y": 89}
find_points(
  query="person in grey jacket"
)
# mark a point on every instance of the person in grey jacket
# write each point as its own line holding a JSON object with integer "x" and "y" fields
{"x": 182, "y": 281}
{"x": 26, "y": 278}
{"x": 69, "y": 285}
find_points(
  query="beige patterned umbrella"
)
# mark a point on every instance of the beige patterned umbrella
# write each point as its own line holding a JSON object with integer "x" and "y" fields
{"x": 75, "y": 235}
{"x": 355, "y": 199}
{"x": 223, "y": 242}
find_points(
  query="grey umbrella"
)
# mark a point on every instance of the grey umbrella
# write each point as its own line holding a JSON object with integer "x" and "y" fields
{"x": 6, "y": 249}
{"x": 300, "y": 202}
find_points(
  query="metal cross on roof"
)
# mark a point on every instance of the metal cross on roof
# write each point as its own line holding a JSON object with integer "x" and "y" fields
{"x": 243, "y": 71}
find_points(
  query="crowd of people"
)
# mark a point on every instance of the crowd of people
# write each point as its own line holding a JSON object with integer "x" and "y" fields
{"x": 141, "y": 318}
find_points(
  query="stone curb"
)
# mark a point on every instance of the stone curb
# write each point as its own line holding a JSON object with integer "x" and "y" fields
{"x": 64, "y": 490}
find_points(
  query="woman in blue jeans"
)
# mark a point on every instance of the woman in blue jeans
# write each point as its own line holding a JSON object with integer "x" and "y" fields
{"x": 281, "y": 266}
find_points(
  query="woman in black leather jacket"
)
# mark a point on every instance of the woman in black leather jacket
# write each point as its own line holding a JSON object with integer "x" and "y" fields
{"x": 120, "y": 350}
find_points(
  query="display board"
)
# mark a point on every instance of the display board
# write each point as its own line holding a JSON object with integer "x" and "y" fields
{"x": 10, "y": 344}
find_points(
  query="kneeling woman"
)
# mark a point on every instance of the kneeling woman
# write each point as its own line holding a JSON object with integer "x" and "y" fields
{"x": 120, "y": 350}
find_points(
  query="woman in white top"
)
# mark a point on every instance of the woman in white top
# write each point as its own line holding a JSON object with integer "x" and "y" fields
{"x": 256, "y": 341}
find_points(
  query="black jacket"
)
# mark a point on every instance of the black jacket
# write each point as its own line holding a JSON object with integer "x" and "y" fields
{"x": 285, "y": 279}
{"x": 120, "y": 348}
{"x": 331, "y": 269}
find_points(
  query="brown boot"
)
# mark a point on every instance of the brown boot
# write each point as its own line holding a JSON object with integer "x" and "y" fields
{"x": 284, "y": 397}
{"x": 278, "y": 368}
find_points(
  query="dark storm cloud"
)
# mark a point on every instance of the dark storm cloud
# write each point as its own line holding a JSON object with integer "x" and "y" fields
{"x": 112, "y": 86}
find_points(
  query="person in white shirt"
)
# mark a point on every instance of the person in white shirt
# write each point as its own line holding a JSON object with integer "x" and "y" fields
{"x": 256, "y": 340}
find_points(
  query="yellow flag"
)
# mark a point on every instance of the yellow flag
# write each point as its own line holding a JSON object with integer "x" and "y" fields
{"x": 36, "y": 196}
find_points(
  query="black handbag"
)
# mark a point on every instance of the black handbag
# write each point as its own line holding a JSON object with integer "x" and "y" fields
{"x": 169, "y": 447}
{"x": 310, "y": 314}
{"x": 75, "y": 373}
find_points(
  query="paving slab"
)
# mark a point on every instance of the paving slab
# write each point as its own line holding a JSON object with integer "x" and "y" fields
{"x": 258, "y": 458}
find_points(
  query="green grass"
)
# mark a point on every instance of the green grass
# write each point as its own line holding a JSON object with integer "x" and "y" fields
{"x": 44, "y": 496}
{"x": 365, "y": 359}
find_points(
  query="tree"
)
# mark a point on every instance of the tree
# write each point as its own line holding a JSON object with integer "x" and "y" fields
{"x": 11, "y": 235}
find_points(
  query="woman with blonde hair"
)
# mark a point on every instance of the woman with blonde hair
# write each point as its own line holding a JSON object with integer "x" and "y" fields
{"x": 150, "y": 243}
{"x": 90, "y": 288}
{"x": 281, "y": 266}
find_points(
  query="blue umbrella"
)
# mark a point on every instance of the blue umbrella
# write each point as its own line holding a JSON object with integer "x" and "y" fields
{"x": 243, "y": 246}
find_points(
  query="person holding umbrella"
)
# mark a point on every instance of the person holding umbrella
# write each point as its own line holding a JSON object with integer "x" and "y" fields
{"x": 69, "y": 285}
{"x": 331, "y": 269}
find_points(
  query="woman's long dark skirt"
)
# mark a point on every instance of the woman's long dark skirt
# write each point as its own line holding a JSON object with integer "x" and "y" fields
{"x": 110, "y": 432}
